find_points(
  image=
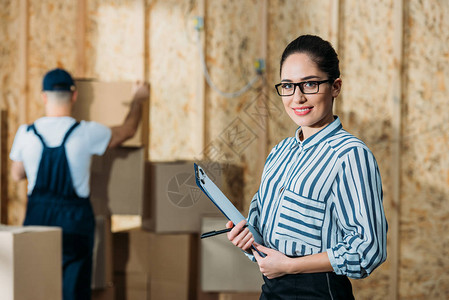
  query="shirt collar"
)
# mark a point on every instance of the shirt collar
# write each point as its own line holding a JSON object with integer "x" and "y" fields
{"x": 319, "y": 136}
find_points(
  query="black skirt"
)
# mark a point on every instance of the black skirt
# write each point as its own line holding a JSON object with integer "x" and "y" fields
{"x": 311, "y": 286}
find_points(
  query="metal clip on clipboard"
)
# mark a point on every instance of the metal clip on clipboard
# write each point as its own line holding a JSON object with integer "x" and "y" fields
{"x": 222, "y": 202}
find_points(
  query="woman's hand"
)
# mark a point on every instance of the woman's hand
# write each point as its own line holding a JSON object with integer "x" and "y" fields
{"x": 274, "y": 264}
{"x": 240, "y": 235}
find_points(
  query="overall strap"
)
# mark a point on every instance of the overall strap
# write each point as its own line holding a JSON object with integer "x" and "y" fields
{"x": 69, "y": 132}
{"x": 32, "y": 127}
{"x": 54, "y": 179}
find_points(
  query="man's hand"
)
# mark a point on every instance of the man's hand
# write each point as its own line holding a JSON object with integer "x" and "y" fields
{"x": 127, "y": 130}
{"x": 141, "y": 91}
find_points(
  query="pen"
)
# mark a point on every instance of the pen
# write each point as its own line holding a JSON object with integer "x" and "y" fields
{"x": 214, "y": 232}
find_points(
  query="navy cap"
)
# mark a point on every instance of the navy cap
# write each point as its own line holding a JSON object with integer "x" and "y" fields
{"x": 58, "y": 80}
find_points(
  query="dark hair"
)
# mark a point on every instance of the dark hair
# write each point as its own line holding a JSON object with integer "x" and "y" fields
{"x": 319, "y": 50}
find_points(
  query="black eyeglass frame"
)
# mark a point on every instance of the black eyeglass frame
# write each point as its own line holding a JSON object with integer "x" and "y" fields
{"x": 301, "y": 86}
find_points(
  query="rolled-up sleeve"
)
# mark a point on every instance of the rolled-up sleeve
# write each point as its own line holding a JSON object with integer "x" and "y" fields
{"x": 358, "y": 210}
{"x": 253, "y": 214}
{"x": 16, "y": 154}
{"x": 253, "y": 219}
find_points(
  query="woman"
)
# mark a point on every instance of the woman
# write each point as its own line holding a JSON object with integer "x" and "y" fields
{"x": 319, "y": 205}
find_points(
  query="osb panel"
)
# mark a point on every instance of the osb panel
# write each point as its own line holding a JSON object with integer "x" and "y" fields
{"x": 174, "y": 77}
{"x": 10, "y": 96}
{"x": 10, "y": 82}
{"x": 425, "y": 192}
{"x": 289, "y": 19}
{"x": 365, "y": 105}
{"x": 427, "y": 65}
{"x": 51, "y": 44}
{"x": 233, "y": 43}
{"x": 366, "y": 100}
{"x": 115, "y": 31}
{"x": 424, "y": 218}
{"x": 6, "y": 50}
{"x": 367, "y": 69}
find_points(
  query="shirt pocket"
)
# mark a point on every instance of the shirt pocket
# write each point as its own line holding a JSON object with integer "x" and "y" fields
{"x": 300, "y": 223}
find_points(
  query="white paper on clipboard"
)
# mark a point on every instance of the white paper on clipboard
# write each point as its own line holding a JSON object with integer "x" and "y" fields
{"x": 221, "y": 201}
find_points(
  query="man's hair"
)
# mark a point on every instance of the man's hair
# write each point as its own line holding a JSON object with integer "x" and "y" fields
{"x": 59, "y": 97}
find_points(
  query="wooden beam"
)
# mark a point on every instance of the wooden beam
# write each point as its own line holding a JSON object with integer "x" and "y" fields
{"x": 336, "y": 34}
{"x": 263, "y": 133}
{"x": 3, "y": 168}
{"x": 146, "y": 73}
{"x": 146, "y": 39}
{"x": 23, "y": 93}
{"x": 199, "y": 136}
{"x": 22, "y": 63}
{"x": 334, "y": 23}
{"x": 396, "y": 98}
{"x": 80, "y": 71}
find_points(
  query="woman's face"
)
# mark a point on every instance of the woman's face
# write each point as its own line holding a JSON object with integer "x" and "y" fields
{"x": 312, "y": 112}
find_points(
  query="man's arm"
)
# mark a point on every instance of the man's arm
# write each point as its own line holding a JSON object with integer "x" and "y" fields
{"x": 121, "y": 133}
{"x": 17, "y": 171}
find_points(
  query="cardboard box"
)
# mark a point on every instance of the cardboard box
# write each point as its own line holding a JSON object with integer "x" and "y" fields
{"x": 102, "y": 269}
{"x": 163, "y": 194}
{"x": 163, "y": 266}
{"x": 117, "y": 182}
{"x": 224, "y": 267}
{"x": 107, "y": 293}
{"x": 125, "y": 222}
{"x": 31, "y": 263}
{"x": 176, "y": 204}
{"x": 108, "y": 103}
{"x": 239, "y": 296}
{"x": 132, "y": 286}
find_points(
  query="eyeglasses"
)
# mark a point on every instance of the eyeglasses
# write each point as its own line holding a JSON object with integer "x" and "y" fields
{"x": 306, "y": 87}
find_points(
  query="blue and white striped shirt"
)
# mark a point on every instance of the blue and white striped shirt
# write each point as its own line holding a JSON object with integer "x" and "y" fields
{"x": 323, "y": 194}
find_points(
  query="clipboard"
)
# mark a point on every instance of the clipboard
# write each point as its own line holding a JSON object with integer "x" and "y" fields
{"x": 222, "y": 203}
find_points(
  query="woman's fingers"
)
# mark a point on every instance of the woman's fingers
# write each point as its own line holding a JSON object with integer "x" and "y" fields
{"x": 248, "y": 244}
{"x": 229, "y": 224}
{"x": 240, "y": 235}
{"x": 243, "y": 238}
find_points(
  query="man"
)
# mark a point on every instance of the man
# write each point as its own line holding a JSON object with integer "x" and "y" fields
{"x": 54, "y": 154}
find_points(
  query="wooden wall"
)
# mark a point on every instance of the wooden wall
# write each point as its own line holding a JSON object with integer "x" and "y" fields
{"x": 395, "y": 68}
{"x": 424, "y": 211}
{"x": 366, "y": 49}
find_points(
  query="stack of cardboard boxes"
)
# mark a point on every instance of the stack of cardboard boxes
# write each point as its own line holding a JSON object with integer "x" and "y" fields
{"x": 160, "y": 258}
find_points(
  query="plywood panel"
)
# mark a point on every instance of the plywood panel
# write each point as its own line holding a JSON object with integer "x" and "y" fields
{"x": 42, "y": 27}
{"x": 6, "y": 50}
{"x": 365, "y": 103}
{"x": 174, "y": 76}
{"x": 289, "y": 19}
{"x": 233, "y": 42}
{"x": 115, "y": 40}
{"x": 425, "y": 181}
{"x": 52, "y": 40}
{"x": 424, "y": 215}
{"x": 12, "y": 88}
{"x": 11, "y": 85}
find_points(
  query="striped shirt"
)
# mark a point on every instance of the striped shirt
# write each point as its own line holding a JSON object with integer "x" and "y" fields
{"x": 323, "y": 194}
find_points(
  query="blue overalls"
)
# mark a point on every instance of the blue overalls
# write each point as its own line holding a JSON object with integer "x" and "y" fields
{"x": 54, "y": 202}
